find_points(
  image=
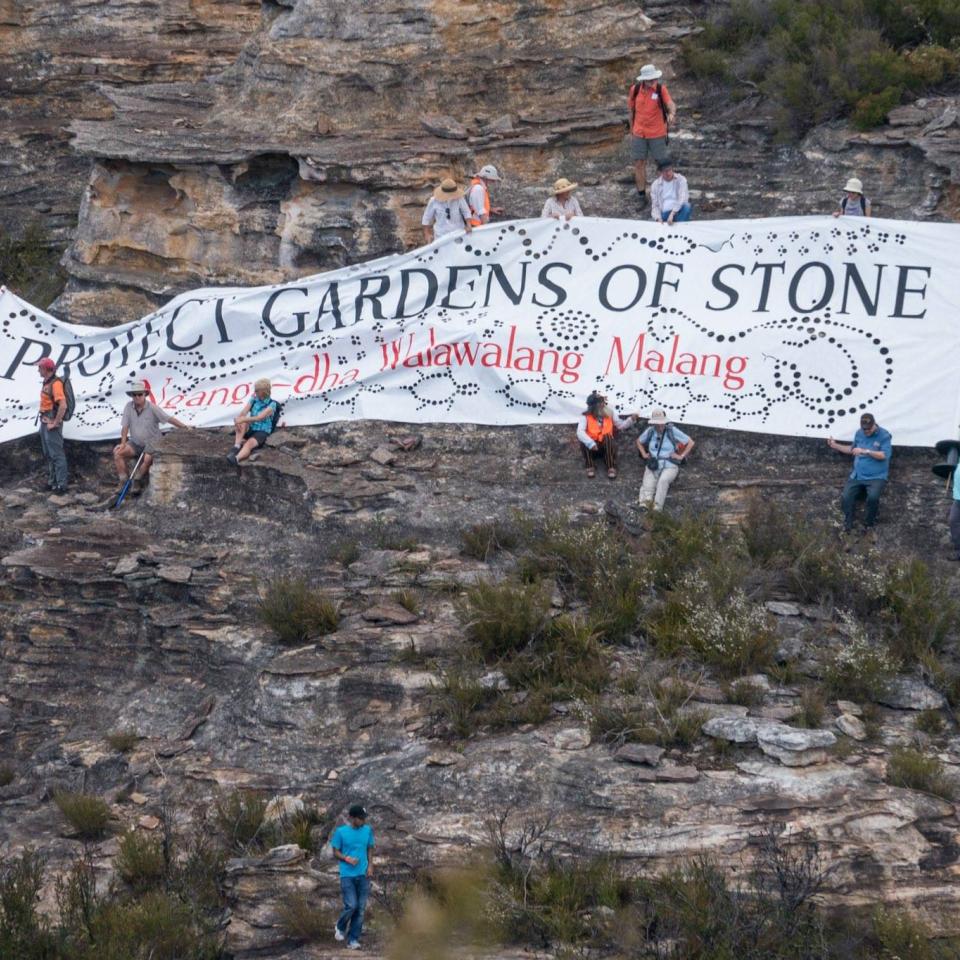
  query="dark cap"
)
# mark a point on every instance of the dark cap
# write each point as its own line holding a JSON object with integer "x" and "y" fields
{"x": 664, "y": 164}
{"x": 47, "y": 364}
{"x": 358, "y": 811}
{"x": 595, "y": 399}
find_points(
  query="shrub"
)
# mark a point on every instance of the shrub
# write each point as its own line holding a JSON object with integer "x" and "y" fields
{"x": 930, "y": 722}
{"x": 745, "y": 694}
{"x": 733, "y": 634}
{"x": 457, "y": 698}
{"x": 303, "y": 919}
{"x": 24, "y": 933}
{"x": 666, "y": 720}
{"x": 346, "y": 552}
{"x": 140, "y": 861}
{"x": 503, "y": 618}
{"x": 86, "y": 813}
{"x": 919, "y": 608}
{"x": 407, "y": 599}
{"x": 482, "y": 540}
{"x": 123, "y": 741}
{"x": 767, "y": 534}
{"x": 861, "y": 667}
{"x": 239, "y": 818}
{"x": 812, "y": 709}
{"x": 298, "y": 829}
{"x": 822, "y": 573}
{"x": 916, "y": 771}
{"x": 896, "y": 935}
{"x": 30, "y": 266}
{"x": 7, "y": 774}
{"x": 689, "y": 542}
{"x": 296, "y": 613}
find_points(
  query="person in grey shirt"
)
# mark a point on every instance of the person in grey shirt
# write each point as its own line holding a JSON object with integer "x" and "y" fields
{"x": 139, "y": 432}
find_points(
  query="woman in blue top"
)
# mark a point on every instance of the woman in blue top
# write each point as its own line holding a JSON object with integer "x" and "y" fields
{"x": 254, "y": 424}
{"x": 955, "y": 515}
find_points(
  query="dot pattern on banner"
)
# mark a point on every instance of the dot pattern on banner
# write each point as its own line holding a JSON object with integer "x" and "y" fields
{"x": 677, "y": 396}
{"x": 440, "y": 389}
{"x": 531, "y": 393}
{"x": 567, "y": 329}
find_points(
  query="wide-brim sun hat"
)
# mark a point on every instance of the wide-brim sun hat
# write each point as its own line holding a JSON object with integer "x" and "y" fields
{"x": 137, "y": 386}
{"x": 648, "y": 72}
{"x": 448, "y": 190}
{"x": 488, "y": 172}
{"x": 657, "y": 417}
{"x": 854, "y": 185}
{"x": 563, "y": 185}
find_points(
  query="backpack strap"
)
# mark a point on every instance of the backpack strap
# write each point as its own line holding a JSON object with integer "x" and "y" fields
{"x": 663, "y": 106}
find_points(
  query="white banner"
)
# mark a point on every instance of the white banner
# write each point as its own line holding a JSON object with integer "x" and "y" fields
{"x": 789, "y": 326}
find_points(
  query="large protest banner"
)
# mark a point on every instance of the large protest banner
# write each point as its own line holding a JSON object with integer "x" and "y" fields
{"x": 791, "y": 326}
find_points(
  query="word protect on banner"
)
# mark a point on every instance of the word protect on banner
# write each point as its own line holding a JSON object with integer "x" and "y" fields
{"x": 791, "y": 326}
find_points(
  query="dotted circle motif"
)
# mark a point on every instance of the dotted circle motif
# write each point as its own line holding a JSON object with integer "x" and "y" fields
{"x": 567, "y": 329}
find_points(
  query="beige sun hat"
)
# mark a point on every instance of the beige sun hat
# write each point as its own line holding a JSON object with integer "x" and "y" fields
{"x": 137, "y": 386}
{"x": 563, "y": 185}
{"x": 448, "y": 190}
{"x": 648, "y": 72}
{"x": 854, "y": 185}
{"x": 657, "y": 417}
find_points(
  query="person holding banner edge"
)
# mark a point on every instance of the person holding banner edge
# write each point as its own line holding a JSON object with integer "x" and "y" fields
{"x": 871, "y": 451}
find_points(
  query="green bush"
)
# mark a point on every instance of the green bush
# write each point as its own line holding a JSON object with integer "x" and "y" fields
{"x": 812, "y": 709}
{"x": 930, "y": 722}
{"x": 457, "y": 698}
{"x": 24, "y": 933}
{"x": 483, "y": 540}
{"x": 86, "y": 813}
{"x": 7, "y": 774}
{"x": 296, "y": 613}
{"x": 916, "y": 771}
{"x": 29, "y": 266}
{"x": 504, "y": 618}
{"x": 123, "y": 741}
{"x": 140, "y": 861}
{"x": 744, "y": 693}
{"x": 302, "y": 919}
{"x": 407, "y": 599}
{"x": 920, "y": 611}
{"x": 860, "y": 667}
{"x": 821, "y": 59}
{"x": 239, "y": 819}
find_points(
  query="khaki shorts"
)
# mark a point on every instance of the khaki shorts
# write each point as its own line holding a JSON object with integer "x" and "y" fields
{"x": 643, "y": 147}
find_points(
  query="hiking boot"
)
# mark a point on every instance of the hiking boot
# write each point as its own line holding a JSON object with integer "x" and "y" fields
{"x": 232, "y": 458}
{"x": 642, "y": 198}
{"x": 136, "y": 488}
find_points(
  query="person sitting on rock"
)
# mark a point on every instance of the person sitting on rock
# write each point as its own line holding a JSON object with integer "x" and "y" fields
{"x": 255, "y": 423}
{"x": 139, "y": 433}
{"x": 562, "y": 205}
{"x": 447, "y": 212}
{"x": 352, "y": 845}
{"x": 597, "y": 432}
{"x": 853, "y": 203}
{"x": 871, "y": 450}
{"x": 664, "y": 447}
{"x": 652, "y": 112}
{"x": 478, "y": 196}
{"x": 669, "y": 195}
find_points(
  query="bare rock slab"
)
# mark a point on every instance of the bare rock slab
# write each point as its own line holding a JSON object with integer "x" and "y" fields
{"x": 640, "y": 753}
{"x": 852, "y": 726}
{"x": 794, "y": 747}
{"x": 908, "y": 693}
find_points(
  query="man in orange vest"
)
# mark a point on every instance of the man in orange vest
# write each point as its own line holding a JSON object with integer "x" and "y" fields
{"x": 53, "y": 409}
{"x": 478, "y": 196}
{"x": 652, "y": 112}
{"x": 597, "y": 431}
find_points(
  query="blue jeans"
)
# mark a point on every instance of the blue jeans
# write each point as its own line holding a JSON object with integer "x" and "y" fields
{"x": 683, "y": 214}
{"x": 355, "y": 891}
{"x": 852, "y": 492}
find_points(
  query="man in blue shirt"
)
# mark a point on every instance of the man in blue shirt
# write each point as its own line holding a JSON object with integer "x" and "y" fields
{"x": 352, "y": 844}
{"x": 871, "y": 450}
{"x": 955, "y": 516}
{"x": 664, "y": 447}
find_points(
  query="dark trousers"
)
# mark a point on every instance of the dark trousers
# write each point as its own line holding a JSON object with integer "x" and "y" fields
{"x": 852, "y": 492}
{"x": 355, "y": 891}
{"x": 606, "y": 448}
{"x": 51, "y": 442}
{"x": 955, "y": 525}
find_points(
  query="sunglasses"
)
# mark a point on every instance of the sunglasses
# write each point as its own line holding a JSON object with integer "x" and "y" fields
{"x": 137, "y": 393}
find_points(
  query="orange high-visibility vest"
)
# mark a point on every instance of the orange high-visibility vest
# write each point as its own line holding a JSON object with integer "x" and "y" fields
{"x": 475, "y": 220}
{"x": 597, "y": 431}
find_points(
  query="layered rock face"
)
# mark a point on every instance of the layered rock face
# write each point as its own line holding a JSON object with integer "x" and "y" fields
{"x": 148, "y": 623}
{"x": 230, "y": 144}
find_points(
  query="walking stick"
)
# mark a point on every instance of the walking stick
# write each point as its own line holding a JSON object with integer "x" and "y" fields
{"x": 126, "y": 487}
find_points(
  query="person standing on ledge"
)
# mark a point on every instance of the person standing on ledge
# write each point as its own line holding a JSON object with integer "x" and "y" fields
{"x": 854, "y": 203}
{"x": 670, "y": 196}
{"x": 139, "y": 433}
{"x": 478, "y": 196}
{"x": 871, "y": 450}
{"x": 664, "y": 447}
{"x": 53, "y": 408}
{"x": 954, "y": 519}
{"x": 597, "y": 431}
{"x": 352, "y": 845}
{"x": 652, "y": 112}
{"x": 447, "y": 212}
{"x": 562, "y": 205}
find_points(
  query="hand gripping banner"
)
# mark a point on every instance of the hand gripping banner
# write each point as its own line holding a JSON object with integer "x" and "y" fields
{"x": 792, "y": 326}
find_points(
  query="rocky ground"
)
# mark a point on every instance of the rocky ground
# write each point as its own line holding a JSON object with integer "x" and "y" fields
{"x": 145, "y": 619}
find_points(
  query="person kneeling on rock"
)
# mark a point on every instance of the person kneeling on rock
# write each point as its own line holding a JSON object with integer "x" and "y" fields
{"x": 139, "y": 433}
{"x": 256, "y": 421}
{"x": 597, "y": 431}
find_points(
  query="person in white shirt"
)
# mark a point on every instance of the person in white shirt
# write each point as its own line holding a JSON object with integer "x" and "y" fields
{"x": 562, "y": 205}
{"x": 853, "y": 203}
{"x": 447, "y": 212}
{"x": 478, "y": 195}
{"x": 597, "y": 430}
{"x": 669, "y": 196}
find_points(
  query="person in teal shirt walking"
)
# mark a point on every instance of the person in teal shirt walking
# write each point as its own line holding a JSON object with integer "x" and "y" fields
{"x": 955, "y": 516}
{"x": 352, "y": 845}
